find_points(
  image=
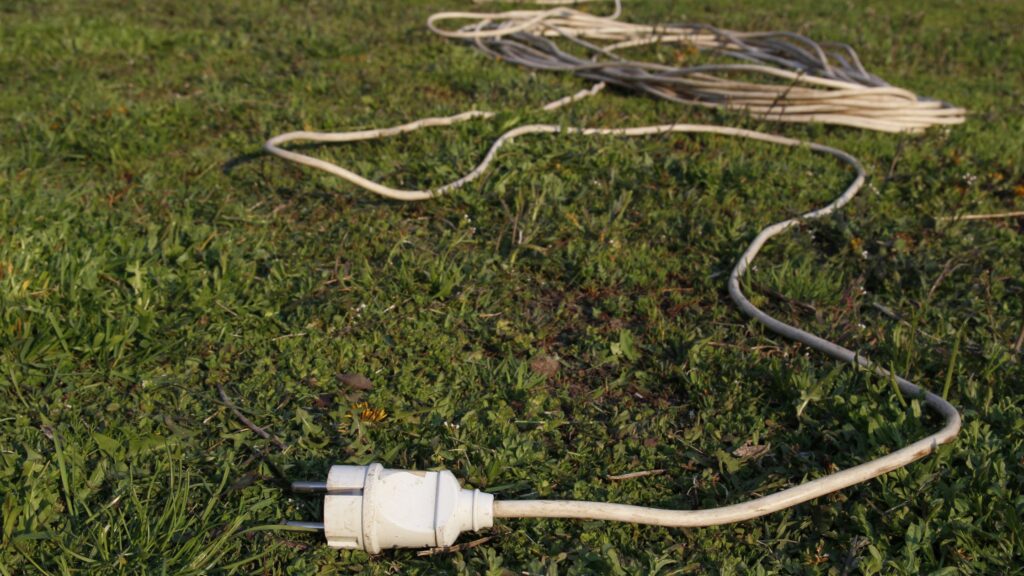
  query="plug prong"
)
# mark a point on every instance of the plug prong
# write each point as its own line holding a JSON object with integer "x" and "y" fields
{"x": 308, "y": 486}
{"x": 312, "y": 526}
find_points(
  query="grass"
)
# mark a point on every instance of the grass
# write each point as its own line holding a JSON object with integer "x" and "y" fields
{"x": 149, "y": 254}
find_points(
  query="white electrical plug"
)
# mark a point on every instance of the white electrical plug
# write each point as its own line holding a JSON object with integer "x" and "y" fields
{"x": 373, "y": 508}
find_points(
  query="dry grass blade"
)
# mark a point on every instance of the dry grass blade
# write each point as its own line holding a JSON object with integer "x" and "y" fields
{"x": 990, "y": 216}
{"x": 634, "y": 475}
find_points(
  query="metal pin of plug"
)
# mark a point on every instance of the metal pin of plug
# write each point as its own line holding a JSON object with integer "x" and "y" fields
{"x": 312, "y": 526}
{"x": 309, "y": 487}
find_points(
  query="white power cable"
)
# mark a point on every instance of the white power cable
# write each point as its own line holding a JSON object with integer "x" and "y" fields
{"x": 640, "y": 514}
{"x": 606, "y": 511}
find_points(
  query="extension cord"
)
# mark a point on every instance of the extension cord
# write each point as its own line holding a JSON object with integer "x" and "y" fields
{"x": 372, "y": 508}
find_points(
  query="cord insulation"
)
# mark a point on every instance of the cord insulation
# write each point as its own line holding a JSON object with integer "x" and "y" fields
{"x": 843, "y": 93}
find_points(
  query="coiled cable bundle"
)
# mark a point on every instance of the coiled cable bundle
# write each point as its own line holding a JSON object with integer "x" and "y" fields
{"x": 778, "y": 76}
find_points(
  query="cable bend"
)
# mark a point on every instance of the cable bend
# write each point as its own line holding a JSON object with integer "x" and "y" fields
{"x": 640, "y": 514}
{"x": 791, "y": 496}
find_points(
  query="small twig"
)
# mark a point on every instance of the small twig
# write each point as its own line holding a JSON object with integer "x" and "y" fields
{"x": 776, "y": 294}
{"x": 292, "y": 544}
{"x": 279, "y": 476}
{"x": 886, "y": 311}
{"x": 992, "y": 216}
{"x": 226, "y": 309}
{"x": 947, "y": 269}
{"x": 857, "y": 544}
{"x": 1020, "y": 340}
{"x": 892, "y": 165}
{"x": 249, "y": 423}
{"x": 640, "y": 474}
{"x": 455, "y": 548}
{"x": 892, "y": 315}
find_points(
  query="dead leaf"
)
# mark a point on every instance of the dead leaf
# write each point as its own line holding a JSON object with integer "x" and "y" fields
{"x": 356, "y": 381}
{"x": 751, "y": 450}
{"x": 546, "y": 366}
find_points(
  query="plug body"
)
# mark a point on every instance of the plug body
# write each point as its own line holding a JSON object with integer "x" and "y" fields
{"x": 373, "y": 508}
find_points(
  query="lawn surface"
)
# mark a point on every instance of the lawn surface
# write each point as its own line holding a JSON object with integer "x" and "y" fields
{"x": 561, "y": 320}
